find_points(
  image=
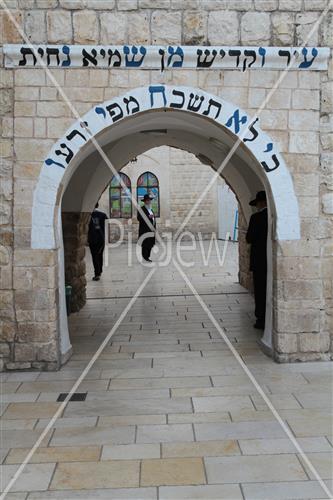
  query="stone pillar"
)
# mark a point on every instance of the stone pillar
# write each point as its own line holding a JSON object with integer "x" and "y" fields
{"x": 75, "y": 227}
{"x": 7, "y": 308}
{"x": 245, "y": 275}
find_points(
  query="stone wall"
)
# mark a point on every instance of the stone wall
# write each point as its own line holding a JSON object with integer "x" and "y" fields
{"x": 245, "y": 275}
{"x": 75, "y": 229}
{"x": 298, "y": 117}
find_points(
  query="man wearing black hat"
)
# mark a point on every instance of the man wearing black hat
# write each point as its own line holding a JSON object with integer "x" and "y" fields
{"x": 149, "y": 241}
{"x": 257, "y": 237}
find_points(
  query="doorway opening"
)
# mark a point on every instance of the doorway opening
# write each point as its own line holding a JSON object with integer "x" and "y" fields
{"x": 209, "y": 133}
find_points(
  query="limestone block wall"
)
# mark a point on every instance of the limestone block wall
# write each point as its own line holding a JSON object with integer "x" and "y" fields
{"x": 298, "y": 117}
{"x": 75, "y": 228}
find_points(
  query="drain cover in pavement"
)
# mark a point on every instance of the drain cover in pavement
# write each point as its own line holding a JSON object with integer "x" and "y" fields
{"x": 77, "y": 396}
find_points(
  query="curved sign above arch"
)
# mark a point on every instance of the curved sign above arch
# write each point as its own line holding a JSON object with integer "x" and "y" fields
{"x": 163, "y": 97}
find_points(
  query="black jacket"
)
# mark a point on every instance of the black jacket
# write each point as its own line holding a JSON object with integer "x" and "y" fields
{"x": 143, "y": 226}
{"x": 96, "y": 232}
{"x": 257, "y": 236}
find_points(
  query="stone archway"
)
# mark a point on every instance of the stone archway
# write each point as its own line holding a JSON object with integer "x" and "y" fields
{"x": 182, "y": 117}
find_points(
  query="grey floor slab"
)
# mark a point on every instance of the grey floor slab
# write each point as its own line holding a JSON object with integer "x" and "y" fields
{"x": 292, "y": 490}
{"x": 164, "y": 433}
{"x": 93, "y": 436}
{"x": 238, "y": 430}
{"x": 208, "y": 492}
{"x": 253, "y": 469}
{"x": 126, "y": 407}
{"x": 107, "y": 494}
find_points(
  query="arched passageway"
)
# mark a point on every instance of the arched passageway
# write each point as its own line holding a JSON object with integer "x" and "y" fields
{"x": 75, "y": 174}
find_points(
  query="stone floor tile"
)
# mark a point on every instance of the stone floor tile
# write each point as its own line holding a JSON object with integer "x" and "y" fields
{"x": 55, "y": 454}
{"x": 63, "y": 386}
{"x": 206, "y": 492}
{"x": 221, "y": 403}
{"x": 315, "y": 399}
{"x": 68, "y": 422}
{"x": 242, "y": 469}
{"x": 279, "y": 401}
{"x": 184, "y": 418}
{"x": 283, "y": 445}
{"x": 18, "y": 424}
{"x": 293, "y": 490}
{"x": 131, "y": 420}
{"x": 200, "y": 449}
{"x": 97, "y": 494}
{"x": 322, "y": 462}
{"x": 311, "y": 426}
{"x": 116, "y": 395}
{"x": 19, "y": 397}
{"x": 164, "y": 433}
{"x": 127, "y": 407}
{"x": 238, "y": 430}
{"x": 240, "y": 390}
{"x": 88, "y": 475}
{"x": 159, "y": 383}
{"x": 130, "y": 451}
{"x": 170, "y": 471}
{"x": 30, "y": 410}
{"x": 10, "y": 387}
{"x": 22, "y": 438}
{"x": 34, "y": 476}
{"x": 93, "y": 436}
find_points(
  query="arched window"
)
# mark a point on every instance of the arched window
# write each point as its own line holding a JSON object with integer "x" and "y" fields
{"x": 120, "y": 199}
{"x": 148, "y": 183}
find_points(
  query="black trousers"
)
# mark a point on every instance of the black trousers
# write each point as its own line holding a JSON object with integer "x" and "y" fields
{"x": 146, "y": 247}
{"x": 259, "y": 285}
{"x": 97, "y": 257}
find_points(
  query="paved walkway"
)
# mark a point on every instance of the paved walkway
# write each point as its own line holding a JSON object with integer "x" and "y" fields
{"x": 168, "y": 412}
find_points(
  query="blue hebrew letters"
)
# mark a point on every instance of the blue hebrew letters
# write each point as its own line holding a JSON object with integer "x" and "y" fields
{"x": 236, "y": 120}
{"x": 66, "y": 50}
{"x": 133, "y": 62}
{"x": 49, "y": 161}
{"x": 306, "y": 63}
{"x": 178, "y": 53}
{"x": 157, "y": 89}
{"x": 100, "y": 111}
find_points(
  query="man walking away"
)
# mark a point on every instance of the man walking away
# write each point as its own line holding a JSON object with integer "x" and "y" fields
{"x": 148, "y": 242}
{"x": 96, "y": 240}
{"x": 257, "y": 237}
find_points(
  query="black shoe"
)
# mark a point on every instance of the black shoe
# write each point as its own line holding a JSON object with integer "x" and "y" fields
{"x": 96, "y": 278}
{"x": 148, "y": 260}
{"x": 259, "y": 326}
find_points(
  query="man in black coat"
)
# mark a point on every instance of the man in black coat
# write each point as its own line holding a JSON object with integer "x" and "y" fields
{"x": 149, "y": 241}
{"x": 257, "y": 237}
{"x": 96, "y": 240}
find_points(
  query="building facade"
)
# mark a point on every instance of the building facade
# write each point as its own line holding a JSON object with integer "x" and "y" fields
{"x": 109, "y": 80}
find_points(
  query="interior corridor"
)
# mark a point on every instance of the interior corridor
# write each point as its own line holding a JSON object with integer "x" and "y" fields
{"x": 167, "y": 412}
